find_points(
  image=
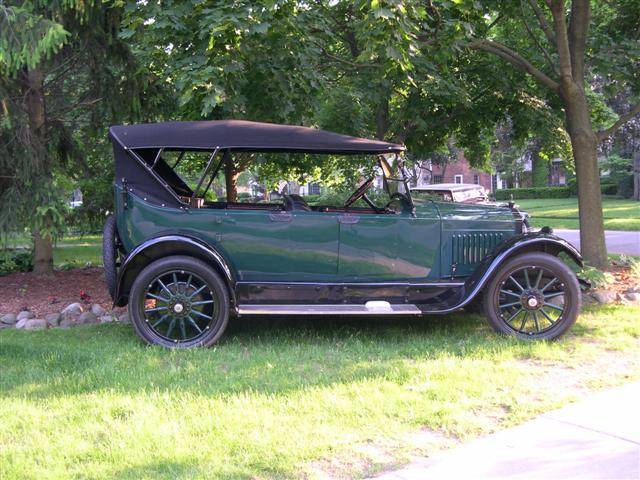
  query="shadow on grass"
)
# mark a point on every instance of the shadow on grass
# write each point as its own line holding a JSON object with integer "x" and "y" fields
{"x": 263, "y": 355}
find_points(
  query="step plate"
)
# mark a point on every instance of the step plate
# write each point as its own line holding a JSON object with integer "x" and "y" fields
{"x": 327, "y": 310}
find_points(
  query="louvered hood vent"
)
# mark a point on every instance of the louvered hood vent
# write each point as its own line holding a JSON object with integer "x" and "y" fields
{"x": 470, "y": 248}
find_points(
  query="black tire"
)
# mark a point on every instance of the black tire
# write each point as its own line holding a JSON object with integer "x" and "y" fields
{"x": 188, "y": 282}
{"x": 110, "y": 253}
{"x": 533, "y": 296}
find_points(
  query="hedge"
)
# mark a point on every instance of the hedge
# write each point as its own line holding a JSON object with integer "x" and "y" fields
{"x": 536, "y": 192}
{"x": 548, "y": 192}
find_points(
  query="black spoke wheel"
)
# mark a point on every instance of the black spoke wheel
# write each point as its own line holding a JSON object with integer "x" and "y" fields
{"x": 534, "y": 296}
{"x": 179, "y": 302}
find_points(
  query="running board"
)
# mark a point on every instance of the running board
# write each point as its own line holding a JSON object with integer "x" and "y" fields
{"x": 369, "y": 308}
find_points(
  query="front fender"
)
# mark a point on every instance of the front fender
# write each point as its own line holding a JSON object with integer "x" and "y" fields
{"x": 528, "y": 242}
{"x": 166, "y": 245}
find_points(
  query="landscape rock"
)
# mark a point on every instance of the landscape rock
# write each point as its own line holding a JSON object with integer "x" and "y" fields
{"x": 98, "y": 310}
{"x": 633, "y": 297}
{"x": 66, "y": 322}
{"x": 53, "y": 319}
{"x": 124, "y": 318}
{"x": 107, "y": 319}
{"x": 88, "y": 318}
{"x": 35, "y": 324}
{"x": 5, "y": 325}
{"x": 21, "y": 323}
{"x": 9, "y": 319}
{"x": 604, "y": 296}
{"x": 25, "y": 315}
{"x": 71, "y": 311}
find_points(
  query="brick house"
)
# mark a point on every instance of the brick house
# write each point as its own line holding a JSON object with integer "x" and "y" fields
{"x": 458, "y": 172}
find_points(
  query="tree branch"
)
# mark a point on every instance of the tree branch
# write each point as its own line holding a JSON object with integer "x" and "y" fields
{"x": 562, "y": 41}
{"x": 514, "y": 59}
{"x": 543, "y": 22}
{"x": 544, "y": 51}
{"x": 635, "y": 110}
{"x": 578, "y": 27}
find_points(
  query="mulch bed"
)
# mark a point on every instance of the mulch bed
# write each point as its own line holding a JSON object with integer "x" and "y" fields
{"x": 51, "y": 293}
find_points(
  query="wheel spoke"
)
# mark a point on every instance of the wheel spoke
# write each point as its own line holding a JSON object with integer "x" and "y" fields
{"x": 197, "y": 291}
{"x": 160, "y": 320}
{"x": 164, "y": 287}
{"x": 551, "y": 305}
{"x": 183, "y": 331}
{"x": 157, "y": 297}
{"x": 510, "y": 304}
{"x": 156, "y": 309}
{"x": 551, "y": 282}
{"x": 194, "y": 324}
{"x": 524, "y": 321}
{"x": 171, "y": 325}
{"x": 514, "y": 315}
{"x": 552, "y": 321}
{"x": 200, "y": 314}
{"x": 526, "y": 278}
{"x": 186, "y": 287}
{"x": 554, "y": 294}
{"x": 509, "y": 292}
{"x": 538, "y": 278}
{"x": 535, "y": 319}
{"x": 203, "y": 302}
{"x": 175, "y": 282}
{"x": 516, "y": 282}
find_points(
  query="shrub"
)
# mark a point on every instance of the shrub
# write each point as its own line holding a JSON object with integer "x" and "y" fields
{"x": 16, "y": 260}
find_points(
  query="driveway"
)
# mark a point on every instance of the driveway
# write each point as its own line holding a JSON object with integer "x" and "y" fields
{"x": 617, "y": 241}
{"x": 598, "y": 438}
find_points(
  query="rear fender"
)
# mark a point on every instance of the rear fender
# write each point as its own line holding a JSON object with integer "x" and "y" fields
{"x": 169, "y": 245}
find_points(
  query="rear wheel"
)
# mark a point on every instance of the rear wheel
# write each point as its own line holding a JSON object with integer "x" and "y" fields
{"x": 533, "y": 296}
{"x": 179, "y": 302}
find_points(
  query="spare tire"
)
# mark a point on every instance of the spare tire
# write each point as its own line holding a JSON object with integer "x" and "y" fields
{"x": 110, "y": 254}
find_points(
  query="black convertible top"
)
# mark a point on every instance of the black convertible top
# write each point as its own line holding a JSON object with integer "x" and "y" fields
{"x": 243, "y": 135}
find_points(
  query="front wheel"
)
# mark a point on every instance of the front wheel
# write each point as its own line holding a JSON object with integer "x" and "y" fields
{"x": 532, "y": 296}
{"x": 179, "y": 302}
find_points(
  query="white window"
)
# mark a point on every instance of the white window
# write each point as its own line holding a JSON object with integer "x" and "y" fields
{"x": 457, "y": 178}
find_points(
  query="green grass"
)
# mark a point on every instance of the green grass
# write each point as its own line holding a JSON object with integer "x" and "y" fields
{"x": 619, "y": 214}
{"x": 78, "y": 250}
{"x": 285, "y": 398}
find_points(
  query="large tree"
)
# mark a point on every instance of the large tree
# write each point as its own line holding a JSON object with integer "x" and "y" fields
{"x": 563, "y": 46}
{"x": 64, "y": 75}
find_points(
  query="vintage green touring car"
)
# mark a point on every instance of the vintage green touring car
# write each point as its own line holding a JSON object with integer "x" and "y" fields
{"x": 185, "y": 263}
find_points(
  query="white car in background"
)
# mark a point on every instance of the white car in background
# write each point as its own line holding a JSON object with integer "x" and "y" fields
{"x": 453, "y": 192}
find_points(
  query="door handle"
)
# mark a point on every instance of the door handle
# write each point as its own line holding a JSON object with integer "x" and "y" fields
{"x": 280, "y": 217}
{"x": 348, "y": 219}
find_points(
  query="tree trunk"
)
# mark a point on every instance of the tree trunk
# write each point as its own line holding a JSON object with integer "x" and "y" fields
{"x": 42, "y": 246}
{"x": 636, "y": 176}
{"x": 42, "y": 254}
{"x": 584, "y": 145}
{"x": 231, "y": 180}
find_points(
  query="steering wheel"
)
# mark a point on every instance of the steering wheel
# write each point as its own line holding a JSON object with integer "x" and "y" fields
{"x": 359, "y": 193}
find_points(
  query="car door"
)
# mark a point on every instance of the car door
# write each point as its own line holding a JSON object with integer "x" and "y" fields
{"x": 389, "y": 247}
{"x": 314, "y": 240}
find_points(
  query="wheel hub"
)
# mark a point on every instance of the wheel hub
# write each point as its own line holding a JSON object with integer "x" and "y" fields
{"x": 180, "y": 306}
{"x": 532, "y": 300}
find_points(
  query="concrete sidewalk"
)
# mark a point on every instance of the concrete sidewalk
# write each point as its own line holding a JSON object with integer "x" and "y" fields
{"x": 598, "y": 438}
{"x": 617, "y": 241}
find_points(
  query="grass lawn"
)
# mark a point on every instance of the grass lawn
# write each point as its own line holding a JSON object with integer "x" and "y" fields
{"x": 619, "y": 214}
{"x": 287, "y": 398}
{"x": 79, "y": 250}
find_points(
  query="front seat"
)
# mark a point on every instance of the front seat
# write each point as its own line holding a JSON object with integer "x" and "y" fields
{"x": 295, "y": 202}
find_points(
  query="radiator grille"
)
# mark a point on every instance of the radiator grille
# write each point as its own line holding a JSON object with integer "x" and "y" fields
{"x": 470, "y": 248}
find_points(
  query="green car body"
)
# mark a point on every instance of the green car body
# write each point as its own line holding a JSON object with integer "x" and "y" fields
{"x": 411, "y": 257}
